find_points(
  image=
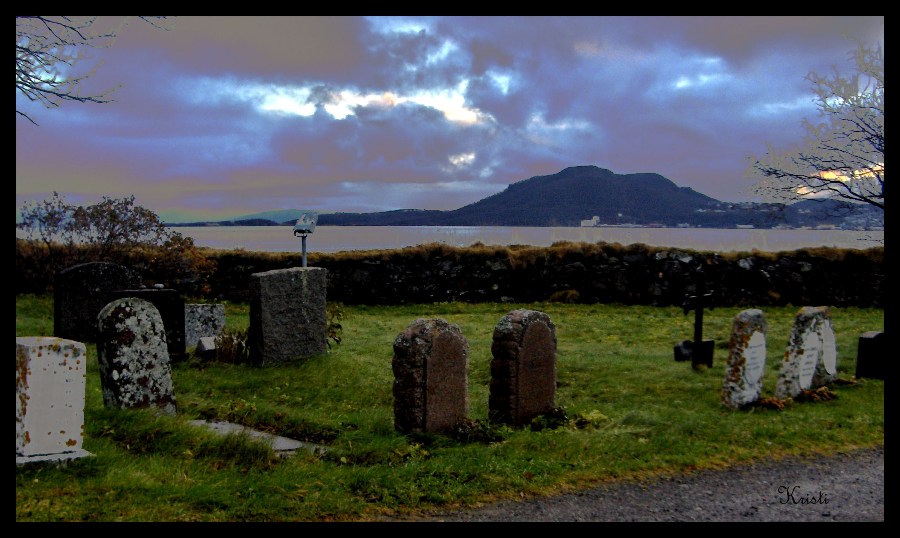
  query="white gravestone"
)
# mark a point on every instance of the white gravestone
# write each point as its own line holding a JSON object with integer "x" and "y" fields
{"x": 746, "y": 360}
{"x": 50, "y": 383}
{"x": 810, "y": 347}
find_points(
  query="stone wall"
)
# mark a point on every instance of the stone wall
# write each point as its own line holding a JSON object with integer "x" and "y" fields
{"x": 577, "y": 272}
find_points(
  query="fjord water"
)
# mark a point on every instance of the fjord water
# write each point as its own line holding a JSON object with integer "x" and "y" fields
{"x": 344, "y": 238}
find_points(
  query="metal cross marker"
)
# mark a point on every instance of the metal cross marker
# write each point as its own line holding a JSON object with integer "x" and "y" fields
{"x": 699, "y": 351}
{"x": 305, "y": 225}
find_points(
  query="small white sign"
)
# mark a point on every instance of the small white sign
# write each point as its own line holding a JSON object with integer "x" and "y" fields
{"x": 755, "y": 358}
{"x": 829, "y": 349}
{"x": 812, "y": 346}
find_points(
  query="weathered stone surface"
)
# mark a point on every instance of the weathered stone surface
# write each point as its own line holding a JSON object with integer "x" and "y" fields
{"x": 746, "y": 359}
{"x": 135, "y": 371}
{"x": 81, "y": 291}
{"x": 430, "y": 367}
{"x": 871, "y": 360}
{"x": 287, "y": 315}
{"x": 206, "y": 347}
{"x": 50, "y": 383}
{"x": 805, "y": 350}
{"x": 202, "y": 320}
{"x": 171, "y": 308}
{"x": 826, "y": 368}
{"x": 523, "y": 368}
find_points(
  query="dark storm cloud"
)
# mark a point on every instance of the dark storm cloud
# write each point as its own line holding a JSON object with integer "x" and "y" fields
{"x": 229, "y": 115}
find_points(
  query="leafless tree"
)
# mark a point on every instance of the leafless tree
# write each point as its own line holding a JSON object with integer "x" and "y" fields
{"x": 47, "y": 51}
{"x": 842, "y": 155}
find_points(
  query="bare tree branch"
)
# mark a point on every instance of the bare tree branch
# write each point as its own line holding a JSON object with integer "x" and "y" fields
{"x": 843, "y": 156}
{"x": 48, "y": 49}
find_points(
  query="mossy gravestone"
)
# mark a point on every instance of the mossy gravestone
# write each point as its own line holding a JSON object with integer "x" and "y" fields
{"x": 810, "y": 360}
{"x": 430, "y": 366}
{"x": 746, "y": 359}
{"x": 135, "y": 371}
{"x": 523, "y": 369}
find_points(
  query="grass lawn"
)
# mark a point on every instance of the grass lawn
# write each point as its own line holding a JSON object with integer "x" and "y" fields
{"x": 631, "y": 412}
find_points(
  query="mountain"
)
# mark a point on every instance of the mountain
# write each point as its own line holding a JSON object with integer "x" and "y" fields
{"x": 580, "y": 193}
{"x": 562, "y": 199}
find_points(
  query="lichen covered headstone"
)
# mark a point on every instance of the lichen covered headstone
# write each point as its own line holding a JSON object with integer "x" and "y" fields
{"x": 523, "y": 368}
{"x": 171, "y": 308}
{"x": 806, "y": 349}
{"x": 746, "y": 359}
{"x": 135, "y": 370}
{"x": 430, "y": 366}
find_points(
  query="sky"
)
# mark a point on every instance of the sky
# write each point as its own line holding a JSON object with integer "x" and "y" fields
{"x": 217, "y": 117}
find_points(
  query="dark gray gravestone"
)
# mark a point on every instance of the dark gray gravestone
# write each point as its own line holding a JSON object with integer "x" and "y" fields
{"x": 805, "y": 350}
{"x": 746, "y": 359}
{"x": 287, "y": 315}
{"x": 523, "y": 369}
{"x": 81, "y": 291}
{"x": 871, "y": 361}
{"x": 171, "y": 307}
{"x": 430, "y": 366}
{"x": 135, "y": 371}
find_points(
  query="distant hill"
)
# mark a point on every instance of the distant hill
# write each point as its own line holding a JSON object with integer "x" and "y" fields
{"x": 581, "y": 193}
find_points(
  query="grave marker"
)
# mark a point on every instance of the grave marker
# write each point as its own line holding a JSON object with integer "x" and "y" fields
{"x": 746, "y": 359}
{"x": 50, "y": 384}
{"x": 804, "y": 352}
{"x": 135, "y": 371}
{"x": 430, "y": 366}
{"x": 523, "y": 368}
{"x": 287, "y": 315}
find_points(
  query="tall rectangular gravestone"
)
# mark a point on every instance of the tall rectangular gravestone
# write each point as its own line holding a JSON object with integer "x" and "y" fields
{"x": 523, "y": 368}
{"x": 430, "y": 366}
{"x": 287, "y": 315}
{"x": 810, "y": 359}
{"x": 80, "y": 292}
{"x": 50, "y": 383}
{"x": 135, "y": 371}
{"x": 746, "y": 359}
{"x": 202, "y": 320}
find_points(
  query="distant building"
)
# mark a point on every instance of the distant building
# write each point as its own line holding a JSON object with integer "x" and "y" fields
{"x": 592, "y": 222}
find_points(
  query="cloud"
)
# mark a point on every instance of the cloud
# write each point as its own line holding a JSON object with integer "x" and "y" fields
{"x": 243, "y": 114}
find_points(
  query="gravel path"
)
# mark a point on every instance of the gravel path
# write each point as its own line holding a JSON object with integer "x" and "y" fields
{"x": 845, "y": 487}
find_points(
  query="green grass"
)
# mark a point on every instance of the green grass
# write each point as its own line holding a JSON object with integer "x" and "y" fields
{"x": 633, "y": 413}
